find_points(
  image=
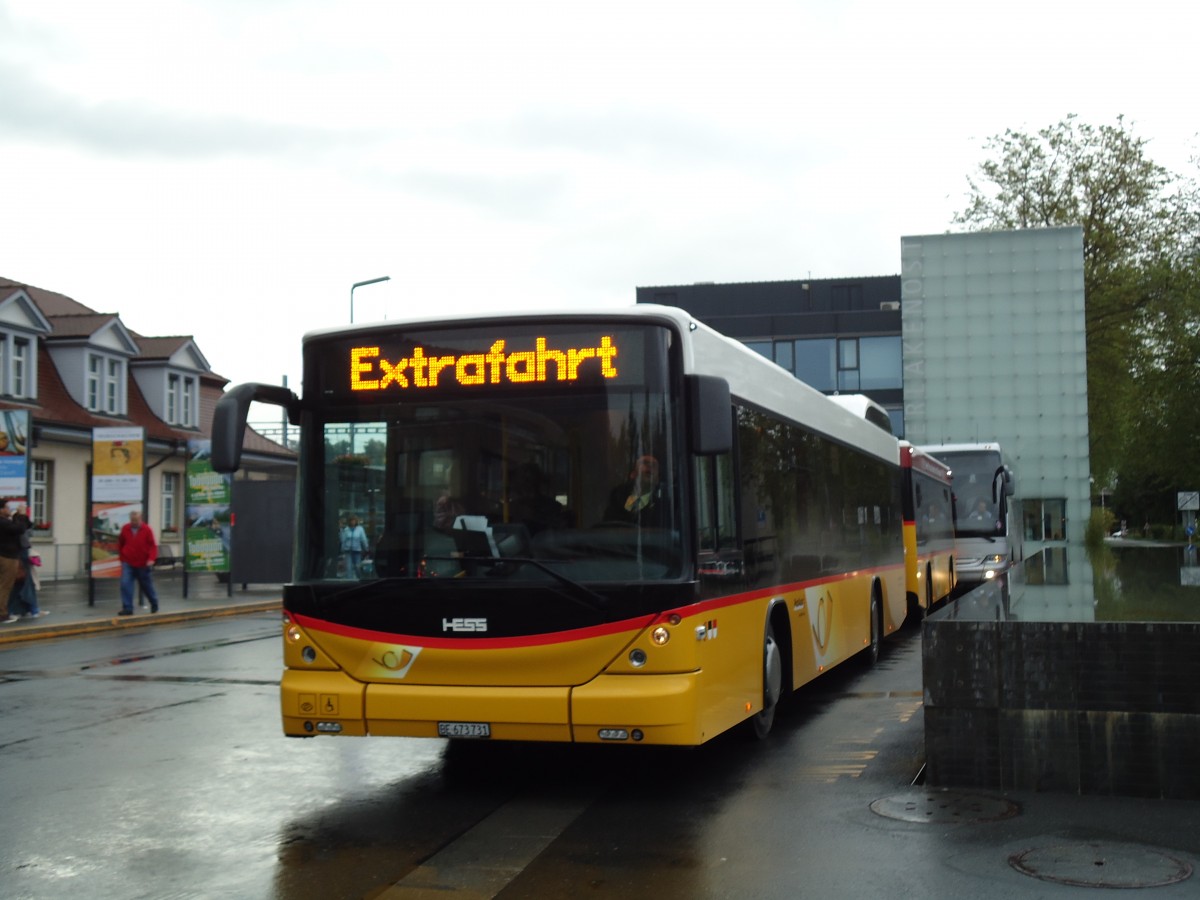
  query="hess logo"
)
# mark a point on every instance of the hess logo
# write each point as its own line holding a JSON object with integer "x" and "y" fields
{"x": 459, "y": 625}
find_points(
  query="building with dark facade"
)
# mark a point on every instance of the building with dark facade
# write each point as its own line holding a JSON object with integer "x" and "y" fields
{"x": 840, "y": 335}
{"x": 981, "y": 338}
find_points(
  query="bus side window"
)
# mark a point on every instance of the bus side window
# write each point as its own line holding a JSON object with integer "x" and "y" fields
{"x": 715, "y": 522}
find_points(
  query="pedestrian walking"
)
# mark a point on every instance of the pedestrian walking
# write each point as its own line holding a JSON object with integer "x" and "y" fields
{"x": 354, "y": 544}
{"x": 10, "y": 560}
{"x": 24, "y": 598}
{"x": 138, "y": 551}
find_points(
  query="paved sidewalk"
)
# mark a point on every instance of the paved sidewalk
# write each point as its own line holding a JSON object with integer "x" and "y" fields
{"x": 70, "y": 613}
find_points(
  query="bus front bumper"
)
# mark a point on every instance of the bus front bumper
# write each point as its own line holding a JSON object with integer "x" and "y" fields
{"x": 649, "y": 709}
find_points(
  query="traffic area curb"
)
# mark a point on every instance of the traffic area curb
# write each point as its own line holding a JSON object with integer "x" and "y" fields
{"x": 16, "y": 633}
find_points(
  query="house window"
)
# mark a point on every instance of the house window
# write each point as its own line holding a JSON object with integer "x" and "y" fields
{"x": 40, "y": 480}
{"x": 94, "y": 377}
{"x": 170, "y": 502}
{"x": 17, "y": 366}
{"x": 181, "y": 400}
{"x": 189, "y": 403}
{"x": 105, "y": 384}
{"x": 112, "y": 388}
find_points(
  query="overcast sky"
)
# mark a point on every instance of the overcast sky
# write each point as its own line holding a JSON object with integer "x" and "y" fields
{"x": 229, "y": 168}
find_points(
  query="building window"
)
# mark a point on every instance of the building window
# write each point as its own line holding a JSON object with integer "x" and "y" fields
{"x": 815, "y": 364}
{"x": 848, "y": 376}
{"x": 783, "y": 354}
{"x": 181, "y": 400}
{"x": 1044, "y": 520}
{"x": 762, "y": 348}
{"x": 112, "y": 388}
{"x": 869, "y": 363}
{"x": 170, "y": 502}
{"x": 879, "y": 363}
{"x": 105, "y": 384}
{"x": 17, "y": 366}
{"x": 94, "y": 377}
{"x": 189, "y": 402}
{"x": 40, "y": 472}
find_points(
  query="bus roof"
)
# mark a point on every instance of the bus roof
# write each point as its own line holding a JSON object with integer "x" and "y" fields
{"x": 752, "y": 377}
{"x": 962, "y": 447}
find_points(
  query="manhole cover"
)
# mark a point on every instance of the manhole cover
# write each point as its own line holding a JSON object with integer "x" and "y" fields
{"x": 1101, "y": 864}
{"x": 944, "y": 806}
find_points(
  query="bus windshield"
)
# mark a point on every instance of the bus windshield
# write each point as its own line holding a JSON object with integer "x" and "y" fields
{"x": 534, "y": 480}
{"x": 978, "y": 492}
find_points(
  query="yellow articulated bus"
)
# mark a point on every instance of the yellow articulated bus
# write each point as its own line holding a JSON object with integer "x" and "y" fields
{"x": 928, "y": 529}
{"x": 612, "y": 526}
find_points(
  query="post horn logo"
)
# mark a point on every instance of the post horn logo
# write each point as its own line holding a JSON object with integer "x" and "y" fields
{"x": 822, "y": 618}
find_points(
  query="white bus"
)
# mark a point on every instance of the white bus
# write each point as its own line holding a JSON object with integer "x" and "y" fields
{"x": 987, "y": 525}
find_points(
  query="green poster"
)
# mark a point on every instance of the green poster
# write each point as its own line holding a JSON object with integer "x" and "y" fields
{"x": 207, "y": 512}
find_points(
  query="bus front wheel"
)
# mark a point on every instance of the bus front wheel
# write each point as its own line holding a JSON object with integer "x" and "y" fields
{"x": 763, "y": 720}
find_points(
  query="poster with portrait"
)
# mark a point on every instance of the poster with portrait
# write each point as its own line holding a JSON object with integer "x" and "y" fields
{"x": 118, "y": 475}
{"x": 118, "y": 456}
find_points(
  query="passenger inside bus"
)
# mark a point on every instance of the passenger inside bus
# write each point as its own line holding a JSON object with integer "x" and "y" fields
{"x": 981, "y": 512}
{"x": 639, "y": 499}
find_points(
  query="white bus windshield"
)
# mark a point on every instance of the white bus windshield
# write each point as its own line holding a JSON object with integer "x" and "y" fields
{"x": 978, "y": 492}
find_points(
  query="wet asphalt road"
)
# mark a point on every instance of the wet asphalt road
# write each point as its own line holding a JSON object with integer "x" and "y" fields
{"x": 151, "y": 764}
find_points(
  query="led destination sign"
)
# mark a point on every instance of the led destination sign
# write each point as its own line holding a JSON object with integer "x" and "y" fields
{"x": 372, "y": 370}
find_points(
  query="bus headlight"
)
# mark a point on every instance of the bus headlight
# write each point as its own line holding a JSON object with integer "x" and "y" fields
{"x": 660, "y": 635}
{"x": 637, "y": 658}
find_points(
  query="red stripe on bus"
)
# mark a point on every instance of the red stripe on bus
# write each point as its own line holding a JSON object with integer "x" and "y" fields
{"x": 482, "y": 643}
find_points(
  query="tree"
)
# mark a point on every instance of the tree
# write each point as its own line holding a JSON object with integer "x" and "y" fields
{"x": 1139, "y": 233}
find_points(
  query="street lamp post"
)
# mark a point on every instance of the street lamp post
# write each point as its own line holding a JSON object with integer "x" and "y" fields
{"x": 359, "y": 284}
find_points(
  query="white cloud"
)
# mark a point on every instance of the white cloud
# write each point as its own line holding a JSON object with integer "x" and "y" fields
{"x": 228, "y": 169}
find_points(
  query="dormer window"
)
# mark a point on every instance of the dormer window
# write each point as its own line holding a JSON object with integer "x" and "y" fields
{"x": 105, "y": 384}
{"x": 18, "y": 366}
{"x": 181, "y": 400}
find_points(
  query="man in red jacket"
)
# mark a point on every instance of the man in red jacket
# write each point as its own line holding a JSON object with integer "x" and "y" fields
{"x": 138, "y": 551}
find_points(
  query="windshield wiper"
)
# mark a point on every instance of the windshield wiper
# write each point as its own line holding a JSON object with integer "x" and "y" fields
{"x": 590, "y": 598}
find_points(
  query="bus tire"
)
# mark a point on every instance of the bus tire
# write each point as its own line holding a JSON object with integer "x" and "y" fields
{"x": 762, "y": 721}
{"x": 876, "y": 626}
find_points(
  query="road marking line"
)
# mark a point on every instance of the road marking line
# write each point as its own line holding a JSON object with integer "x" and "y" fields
{"x": 482, "y": 862}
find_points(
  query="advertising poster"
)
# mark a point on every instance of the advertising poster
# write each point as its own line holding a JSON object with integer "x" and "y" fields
{"x": 117, "y": 464}
{"x": 206, "y": 536}
{"x": 14, "y": 456}
{"x": 118, "y": 459}
{"x": 107, "y": 519}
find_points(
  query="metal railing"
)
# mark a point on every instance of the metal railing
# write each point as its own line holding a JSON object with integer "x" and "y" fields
{"x": 66, "y": 562}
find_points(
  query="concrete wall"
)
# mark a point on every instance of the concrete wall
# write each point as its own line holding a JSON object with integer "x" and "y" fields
{"x": 1076, "y": 706}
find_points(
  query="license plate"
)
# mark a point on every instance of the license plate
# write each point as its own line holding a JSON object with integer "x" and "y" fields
{"x": 464, "y": 729}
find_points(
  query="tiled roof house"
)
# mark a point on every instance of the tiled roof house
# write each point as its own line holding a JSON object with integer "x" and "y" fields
{"x": 75, "y": 369}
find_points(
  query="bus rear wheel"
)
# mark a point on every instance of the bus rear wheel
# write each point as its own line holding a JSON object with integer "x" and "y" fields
{"x": 763, "y": 720}
{"x": 876, "y": 627}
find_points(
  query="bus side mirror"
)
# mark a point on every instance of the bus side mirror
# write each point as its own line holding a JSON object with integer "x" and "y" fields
{"x": 229, "y": 420}
{"x": 710, "y": 412}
